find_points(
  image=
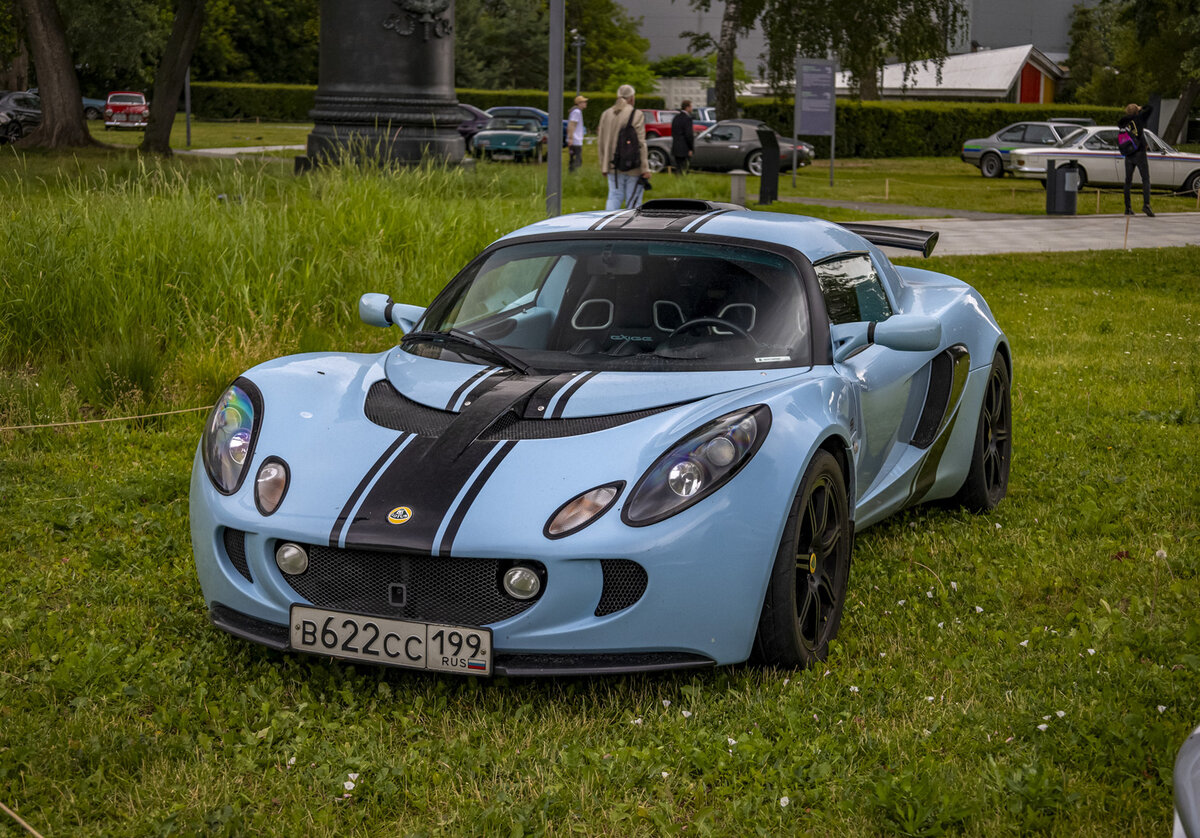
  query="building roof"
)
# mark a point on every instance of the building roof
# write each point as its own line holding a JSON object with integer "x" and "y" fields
{"x": 988, "y": 73}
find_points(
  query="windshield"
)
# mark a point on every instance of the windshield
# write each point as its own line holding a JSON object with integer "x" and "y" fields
{"x": 1071, "y": 138}
{"x": 626, "y": 305}
{"x": 126, "y": 99}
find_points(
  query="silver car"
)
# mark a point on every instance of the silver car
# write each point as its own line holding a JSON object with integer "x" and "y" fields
{"x": 991, "y": 154}
{"x": 731, "y": 144}
{"x": 1093, "y": 151}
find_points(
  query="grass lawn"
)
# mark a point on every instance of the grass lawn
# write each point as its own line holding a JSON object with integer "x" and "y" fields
{"x": 210, "y": 134}
{"x": 1032, "y": 670}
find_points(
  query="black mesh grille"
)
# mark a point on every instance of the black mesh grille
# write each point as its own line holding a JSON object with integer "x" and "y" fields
{"x": 408, "y": 586}
{"x": 388, "y": 407}
{"x": 624, "y": 584}
{"x": 235, "y": 549}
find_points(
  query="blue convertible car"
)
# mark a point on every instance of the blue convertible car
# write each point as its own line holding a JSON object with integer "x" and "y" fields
{"x": 616, "y": 441}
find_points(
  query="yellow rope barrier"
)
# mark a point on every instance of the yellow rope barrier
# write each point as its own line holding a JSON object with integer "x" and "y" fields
{"x": 99, "y": 421}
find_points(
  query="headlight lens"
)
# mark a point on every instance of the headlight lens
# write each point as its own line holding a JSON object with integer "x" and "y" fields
{"x": 270, "y": 485}
{"x": 229, "y": 435}
{"x": 697, "y": 466}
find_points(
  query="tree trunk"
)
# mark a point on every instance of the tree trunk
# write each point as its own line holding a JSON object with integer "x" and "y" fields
{"x": 868, "y": 84}
{"x": 1178, "y": 125}
{"x": 63, "y": 124}
{"x": 172, "y": 69}
{"x": 726, "y": 52}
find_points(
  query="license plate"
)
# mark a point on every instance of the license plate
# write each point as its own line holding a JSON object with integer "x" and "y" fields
{"x": 502, "y": 155}
{"x": 380, "y": 640}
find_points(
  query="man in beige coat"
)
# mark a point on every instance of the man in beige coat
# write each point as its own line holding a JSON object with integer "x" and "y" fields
{"x": 624, "y": 183}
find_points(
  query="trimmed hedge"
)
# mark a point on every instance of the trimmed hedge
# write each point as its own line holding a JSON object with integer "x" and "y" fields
{"x": 292, "y": 102}
{"x": 864, "y": 129}
{"x": 916, "y": 129}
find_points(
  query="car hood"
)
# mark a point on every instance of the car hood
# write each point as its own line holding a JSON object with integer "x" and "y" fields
{"x": 449, "y": 385}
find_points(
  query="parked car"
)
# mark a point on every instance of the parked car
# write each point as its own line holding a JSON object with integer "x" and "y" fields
{"x": 1093, "y": 151}
{"x": 510, "y": 138}
{"x": 20, "y": 113}
{"x": 525, "y": 112}
{"x": 92, "y": 108}
{"x": 992, "y": 154}
{"x": 616, "y": 441}
{"x": 732, "y": 144}
{"x": 126, "y": 109}
{"x": 473, "y": 121}
{"x": 658, "y": 123}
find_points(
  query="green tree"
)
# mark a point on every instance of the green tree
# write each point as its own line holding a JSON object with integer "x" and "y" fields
{"x": 683, "y": 65}
{"x": 863, "y": 35}
{"x": 736, "y": 19}
{"x": 625, "y": 72}
{"x": 115, "y": 44}
{"x": 259, "y": 41}
{"x": 1090, "y": 52}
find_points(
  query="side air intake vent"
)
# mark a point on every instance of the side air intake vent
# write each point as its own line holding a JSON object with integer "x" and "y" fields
{"x": 624, "y": 584}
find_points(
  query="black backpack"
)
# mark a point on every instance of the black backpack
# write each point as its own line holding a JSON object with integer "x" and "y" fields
{"x": 628, "y": 153}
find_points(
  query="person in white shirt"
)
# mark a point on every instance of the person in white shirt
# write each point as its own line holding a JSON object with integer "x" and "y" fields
{"x": 575, "y": 134}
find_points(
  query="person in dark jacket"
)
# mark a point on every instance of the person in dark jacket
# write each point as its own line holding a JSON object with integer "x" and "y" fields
{"x": 1133, "y": 122}
{"x": 683, "y": 137}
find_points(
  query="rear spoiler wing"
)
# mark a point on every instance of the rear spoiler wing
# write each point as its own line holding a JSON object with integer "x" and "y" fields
{"x": 901, "y": 237}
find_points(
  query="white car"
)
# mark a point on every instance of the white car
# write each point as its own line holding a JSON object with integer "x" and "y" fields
{"x": 1093, "y": 151}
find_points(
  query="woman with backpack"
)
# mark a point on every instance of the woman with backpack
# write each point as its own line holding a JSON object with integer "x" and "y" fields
{"x": 621, "y": 146}
{"x": 1131, "y": 141}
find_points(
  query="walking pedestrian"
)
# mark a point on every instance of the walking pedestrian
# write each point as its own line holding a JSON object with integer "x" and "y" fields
{"x": 621, "y": 145}
{"x": 1131, "y": 140}
{"x": 683, "y": 137}
{"x": 575, "y": 134}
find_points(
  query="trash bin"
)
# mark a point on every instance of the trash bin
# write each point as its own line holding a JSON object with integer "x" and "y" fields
{"x": 1062, "y": 188}
{"x": 768, "y": 188}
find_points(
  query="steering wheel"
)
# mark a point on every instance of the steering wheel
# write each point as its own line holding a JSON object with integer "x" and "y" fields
{"x": 711, "y": 321}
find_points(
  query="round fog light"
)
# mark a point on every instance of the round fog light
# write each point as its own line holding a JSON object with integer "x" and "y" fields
{"x": 521, "y": 583}
{"x": 291, "y": 558}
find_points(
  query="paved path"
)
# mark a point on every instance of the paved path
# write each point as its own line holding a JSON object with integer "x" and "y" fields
{"x": 1056, "y": 233}
{"x": 234, "y": 152}
{"x": 899, "y": 209}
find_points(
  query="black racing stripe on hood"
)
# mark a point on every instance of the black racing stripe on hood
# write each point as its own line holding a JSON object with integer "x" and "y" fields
{"x": 535, "y": 408}
{"x": 460, "y": 512}
{"x": 570, "y": 391}
{"x": 431, "y": 472}
{"x": 340, "y": 523}
{"x": 466, "y": 385}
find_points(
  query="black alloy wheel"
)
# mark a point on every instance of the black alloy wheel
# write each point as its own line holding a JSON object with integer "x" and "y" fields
{"x": 990, "y": 166}
{"x": 987, "y": 480}
{"x": 807, "y": 589}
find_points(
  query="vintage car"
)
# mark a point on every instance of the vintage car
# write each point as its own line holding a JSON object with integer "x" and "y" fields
{"x": 473, "y": 121}
{"x": 728, "y": 145}
{"x": 616, "y": 441}
{"x": 510, "y": 138}
{"x": 527, "y": 112}
{"x": 991, "y": 155}
{"x": 20, "y": 113}
{"x": 1094, "y": 154}
{"x": 125, "y": 109}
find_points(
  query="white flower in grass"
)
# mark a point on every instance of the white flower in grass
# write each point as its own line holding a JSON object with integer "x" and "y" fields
{"x": 687, "y": 714}
{"x": 1045, "y": 717}
{"x": 1060, "y": 713}
{"x": 731, "y": 741}
{"x": 900, "y": 601}
{"x": 978, "y": 609}
{"x": 1043, "y": 727}
{"x": 1162, "y": 708}
{"x": 1160, "y": 554}
{"x": 291, "y": 762}
{"x": 352, "y": 776}
{"x": 929, "y": 698}
{"x": 666, "y": 774}
{"x": 941, "y": 625}
{"x": 1024, "y": 643}
{"x": 666, "y": 702}
{"x": 954, "y": 586}
{"x": 783, "y": 801}
{"x": 348, "y": 785}
{"x": 997, "y": 526}
{"x": 929, "y": 594}
{"x": 854, "y": 689}
{"x": 1091, "y": 651}
{"x": 637, "y": 721}
{"x": 785, "y": 681}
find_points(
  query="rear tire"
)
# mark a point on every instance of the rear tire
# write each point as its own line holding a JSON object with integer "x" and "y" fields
{"x": 807, "y": 589}
{"x": 1192, "y": 184}
{"x": 991, "y": 166}
{"x": 991, "y": 456}
{"x": 754, "y": 163}
{"x": 657, "y": 160}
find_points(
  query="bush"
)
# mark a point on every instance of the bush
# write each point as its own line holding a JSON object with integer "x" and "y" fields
{"x": 915, "y": 129}
{"x": 292, "y": 102}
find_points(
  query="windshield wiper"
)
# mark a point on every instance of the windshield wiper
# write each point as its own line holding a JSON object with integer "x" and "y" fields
{"x": 481, "y": 346}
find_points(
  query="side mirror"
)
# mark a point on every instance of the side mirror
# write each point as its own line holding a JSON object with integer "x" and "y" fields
{"x": 901, "y": 332}
{"x": 379, "y": 310}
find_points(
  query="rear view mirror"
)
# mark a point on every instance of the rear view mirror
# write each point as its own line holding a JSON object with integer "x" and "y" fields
{"x": 379, "y": 310}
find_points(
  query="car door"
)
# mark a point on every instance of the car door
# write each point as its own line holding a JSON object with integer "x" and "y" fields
{"x": 719, "y": 147}
{"x": 1101, "y": 158}
{"x": 1162, "y": 168}
{"x": 890, "y": 384}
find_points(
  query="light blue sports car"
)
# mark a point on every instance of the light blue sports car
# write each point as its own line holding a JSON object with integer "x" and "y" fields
{"x": 616, "y": 441}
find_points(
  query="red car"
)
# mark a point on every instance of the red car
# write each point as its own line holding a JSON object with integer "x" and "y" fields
{"x": 125, "y": 109}
{"x": 658, "y": 123}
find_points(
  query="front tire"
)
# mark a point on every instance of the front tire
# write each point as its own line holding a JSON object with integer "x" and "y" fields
{"x": 91, "y": 113}
{"x": 807, "y": 589}
{"x": 987, "y": 479}
{"x": 990, "y": 165}
{"x": 1192, "y": 184}
{"x": 754, "y": 163}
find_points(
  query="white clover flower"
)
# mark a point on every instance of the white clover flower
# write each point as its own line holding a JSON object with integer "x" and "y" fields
{"x": 666, "y": 702}
{"x": 291, "y": 762}
{"x": 978, "y": 609}
{"x": 783, "y": 801}
{"x": 1162, "y": 708}
{"x": 687, "y": 714}
{"x": 1160, "y": 554}
{"x": 666, "y": 774}
{"x": 637, "y": 721}
{"x": 731, "y": 741}
{"x": 1060, "y": 713}
{"x": 348, "y": 785}
{"x": 1043, "y": 727}
{"x": 1023, "y": 643}
{"x": 854, "y": 689}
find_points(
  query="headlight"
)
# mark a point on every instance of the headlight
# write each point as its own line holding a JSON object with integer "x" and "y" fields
{"x": 697, "y": 465}
{"x": 229, "y": 435}
{"x": 582, "y": 510}
{"x": 270, "y": 485}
